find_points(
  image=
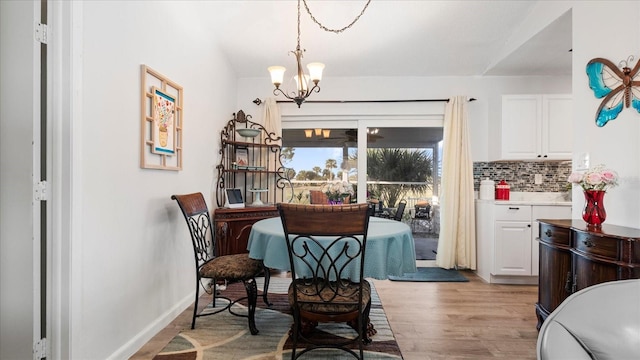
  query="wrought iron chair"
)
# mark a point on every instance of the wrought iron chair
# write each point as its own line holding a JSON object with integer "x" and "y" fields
{"x": 326, "y": 245}
{"x": 230, "y": 268}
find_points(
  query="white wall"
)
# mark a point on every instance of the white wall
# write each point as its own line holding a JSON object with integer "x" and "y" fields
{"x": 616, "y": 144}
{"x": 132, "y": 249}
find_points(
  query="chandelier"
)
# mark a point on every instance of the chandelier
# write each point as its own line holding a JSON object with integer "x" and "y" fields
{"x": 315, "y": 69}
{"x": 301, "y": 79}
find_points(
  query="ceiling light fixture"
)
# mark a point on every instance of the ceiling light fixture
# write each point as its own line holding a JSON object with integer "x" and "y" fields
{"x": 325, "y": 133}
{"x": 301, "y": 79}
{"x": 315, "y": 69}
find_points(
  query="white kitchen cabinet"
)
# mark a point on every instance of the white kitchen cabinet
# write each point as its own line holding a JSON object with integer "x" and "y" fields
{"x": 537, "y": 127}
{"x": 506, "y": 235}
{"x": 512, "y": 248}
{"x": 512, "y": 245}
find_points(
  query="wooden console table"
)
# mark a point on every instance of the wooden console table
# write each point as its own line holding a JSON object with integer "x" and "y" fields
{"x": 233, "y": 226}
{"x": 573, "y": 257}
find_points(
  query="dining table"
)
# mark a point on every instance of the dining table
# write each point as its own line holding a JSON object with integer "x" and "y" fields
{"x": 390, "y": 248}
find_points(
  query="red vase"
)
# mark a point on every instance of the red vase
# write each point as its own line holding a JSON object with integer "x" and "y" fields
{"x": 593, "y": 213}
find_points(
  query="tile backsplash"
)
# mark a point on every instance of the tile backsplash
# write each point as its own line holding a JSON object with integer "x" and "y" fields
{"x": 520, "y": 175}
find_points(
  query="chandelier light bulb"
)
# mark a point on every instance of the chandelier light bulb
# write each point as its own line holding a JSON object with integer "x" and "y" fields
{"x": 277, "y": 74}
{"x": 315, "y": 71}
{"x": 301, "y": 86}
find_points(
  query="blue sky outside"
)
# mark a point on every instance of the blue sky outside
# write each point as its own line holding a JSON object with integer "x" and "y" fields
{"x": 307, "y": 158}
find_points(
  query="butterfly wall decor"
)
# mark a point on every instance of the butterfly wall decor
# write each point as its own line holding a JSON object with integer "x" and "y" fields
{"x": 619, "y": 85}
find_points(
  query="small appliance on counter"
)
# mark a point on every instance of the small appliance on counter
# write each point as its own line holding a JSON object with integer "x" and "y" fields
{"x": 502, "y": 190}
{"x": 487, "y": 189}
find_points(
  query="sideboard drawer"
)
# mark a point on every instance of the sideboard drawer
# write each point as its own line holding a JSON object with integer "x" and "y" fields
{"x": 554, "y": 235}
{"x": 596, "y": 245}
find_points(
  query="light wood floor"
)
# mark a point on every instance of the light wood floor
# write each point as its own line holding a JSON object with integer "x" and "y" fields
{"x": 472, "y": 320}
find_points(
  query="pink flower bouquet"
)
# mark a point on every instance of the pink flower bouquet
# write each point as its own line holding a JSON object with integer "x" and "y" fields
{"x": 596, "y": 178}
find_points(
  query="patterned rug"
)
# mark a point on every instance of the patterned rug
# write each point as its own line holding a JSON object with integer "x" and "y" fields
{"x": 224, "y": 336}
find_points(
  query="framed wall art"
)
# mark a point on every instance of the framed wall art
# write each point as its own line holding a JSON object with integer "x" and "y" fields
{"x": 164, "y": 110}
{"x": 161, "y": 122}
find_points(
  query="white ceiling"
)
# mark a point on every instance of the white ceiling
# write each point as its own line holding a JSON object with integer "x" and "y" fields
{"x": 392, "y": 38}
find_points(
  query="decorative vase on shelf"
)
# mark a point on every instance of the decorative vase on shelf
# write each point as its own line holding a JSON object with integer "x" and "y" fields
{"x": 593, "y": 213}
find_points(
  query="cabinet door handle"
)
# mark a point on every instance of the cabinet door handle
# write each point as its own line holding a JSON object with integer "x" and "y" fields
{"x": 588, "y": 243}
{"x": 528, "y": 225}
{"x": 548, "y": 232}
{"x": 567, "y": 284}
{"x": 514, "y": 208}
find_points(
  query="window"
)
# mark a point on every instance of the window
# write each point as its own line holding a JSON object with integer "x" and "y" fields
{"x": 401, "y": 162}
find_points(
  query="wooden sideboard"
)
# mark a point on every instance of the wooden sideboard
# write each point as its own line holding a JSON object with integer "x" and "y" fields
{"x": 574, "y": 256}
{"x": 233, "y": 226}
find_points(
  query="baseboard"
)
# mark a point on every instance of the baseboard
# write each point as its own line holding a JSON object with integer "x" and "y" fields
{"x": 133, "y": 345}
{"x": 514, "y": 280}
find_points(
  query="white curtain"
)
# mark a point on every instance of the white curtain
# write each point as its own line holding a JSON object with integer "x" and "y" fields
{"x": 272, "y": 122}
{"x": 271, "y": 118}
{"x": 457, "y": 241}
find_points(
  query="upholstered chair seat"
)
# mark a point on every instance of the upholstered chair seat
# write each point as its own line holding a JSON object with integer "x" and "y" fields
{"x": 312, "y": 301}
{"x": 231, "y": 267}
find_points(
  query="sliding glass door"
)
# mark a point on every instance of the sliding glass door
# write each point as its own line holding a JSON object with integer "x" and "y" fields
{"x": 317, "y": 156}
{"x": 401, "y": 157}
{"x": 402, "y": 164}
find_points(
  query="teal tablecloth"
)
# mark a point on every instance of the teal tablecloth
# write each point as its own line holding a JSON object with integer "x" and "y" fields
{"x": 390, "y": 247}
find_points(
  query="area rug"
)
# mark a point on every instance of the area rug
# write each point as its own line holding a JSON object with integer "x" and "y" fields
{"x": 426, "y": 246}
{"x": 224, "y": 336}
{"x": 431, "y": 274}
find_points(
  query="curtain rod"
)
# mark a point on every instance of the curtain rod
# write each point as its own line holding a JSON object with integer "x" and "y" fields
{"x": 257, "y": 101}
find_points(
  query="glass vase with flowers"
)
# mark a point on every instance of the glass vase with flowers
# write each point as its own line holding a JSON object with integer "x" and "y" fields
{"x": 338, "y": 191}
{"x": 594, "y": 183}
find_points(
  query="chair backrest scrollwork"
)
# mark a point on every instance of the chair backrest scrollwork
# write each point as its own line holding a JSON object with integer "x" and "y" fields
{"x": 326, "y": 245}
{"x": 195, "y": 211}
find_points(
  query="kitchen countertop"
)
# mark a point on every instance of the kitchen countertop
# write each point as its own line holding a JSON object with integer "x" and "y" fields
{"x": 532, "y": 198}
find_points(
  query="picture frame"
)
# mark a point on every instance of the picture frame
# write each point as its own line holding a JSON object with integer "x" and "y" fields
{"x": 164, "y": 109}
{"x": 242, "y": 157}
{"x": 160, "y": 150}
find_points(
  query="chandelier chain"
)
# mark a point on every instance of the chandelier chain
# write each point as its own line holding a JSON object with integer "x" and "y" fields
{"x": 324, "y": 27}
{"x": 299, "y": 24}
